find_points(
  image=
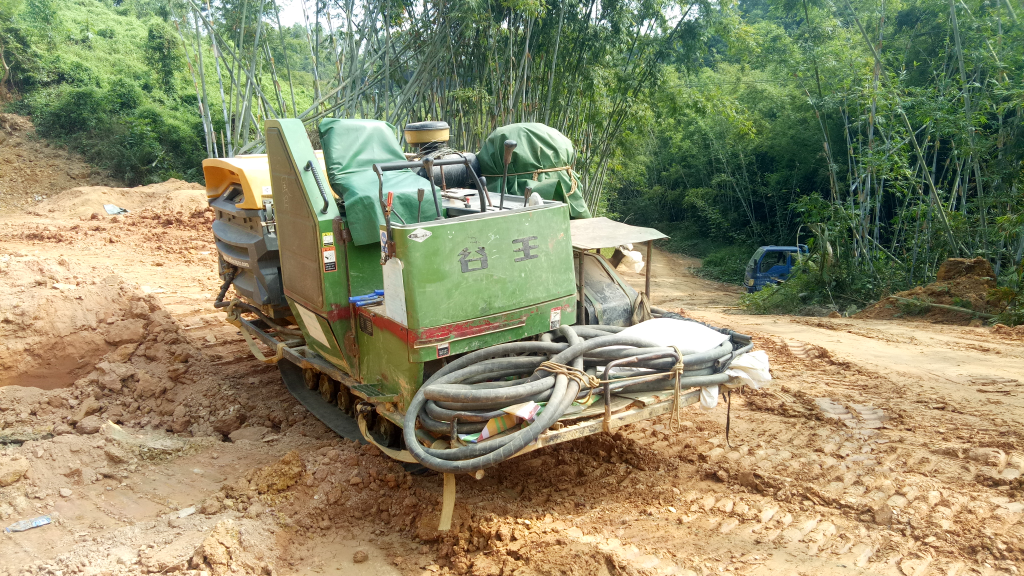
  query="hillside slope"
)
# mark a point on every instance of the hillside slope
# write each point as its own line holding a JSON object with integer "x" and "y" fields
{"x": 32, "y": 169}
{"x": 111, "y": 82}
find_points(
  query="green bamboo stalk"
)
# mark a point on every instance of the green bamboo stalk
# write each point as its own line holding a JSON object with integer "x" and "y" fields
{"x": 287, "y": 63}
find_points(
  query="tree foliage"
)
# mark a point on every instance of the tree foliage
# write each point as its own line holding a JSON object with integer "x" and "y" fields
{"x": 886, "y": 134}
{"x": 106, "y": 80}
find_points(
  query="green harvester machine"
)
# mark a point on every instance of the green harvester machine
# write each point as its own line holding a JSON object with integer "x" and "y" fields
{"x": 451, "y": 308}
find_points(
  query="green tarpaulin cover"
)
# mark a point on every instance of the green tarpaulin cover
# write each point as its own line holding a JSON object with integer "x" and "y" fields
{"x": 351, "y": 148}
{"x": 542, "y": 160}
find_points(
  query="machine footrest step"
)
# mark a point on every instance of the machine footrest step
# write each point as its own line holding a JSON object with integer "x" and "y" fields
{"x": 373, "y": 394}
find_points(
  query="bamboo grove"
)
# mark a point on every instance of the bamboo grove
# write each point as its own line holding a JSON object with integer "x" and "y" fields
{"x": 886, "y": 134}
{"x": 582, "y": 67}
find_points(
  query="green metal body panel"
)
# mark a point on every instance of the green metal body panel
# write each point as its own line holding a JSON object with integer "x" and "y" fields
{"x": 471, "y": 267}
{"x": 364, "y": 272}
{"x": 468, "y": 283}
{"x": 392, "y": 357}
{"x": 495, "y": 329}
{"x": 384, "y": 362}
{"x": 316, "y": 284}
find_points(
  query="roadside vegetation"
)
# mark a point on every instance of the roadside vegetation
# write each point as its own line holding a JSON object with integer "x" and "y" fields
{"x": 886, "y": 136}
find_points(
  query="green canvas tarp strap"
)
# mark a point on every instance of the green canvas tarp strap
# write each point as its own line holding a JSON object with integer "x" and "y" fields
{"x": 536, "y": 173}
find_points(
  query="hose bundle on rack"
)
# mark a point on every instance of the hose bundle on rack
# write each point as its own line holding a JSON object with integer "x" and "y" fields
{"x": 465, "y": 394}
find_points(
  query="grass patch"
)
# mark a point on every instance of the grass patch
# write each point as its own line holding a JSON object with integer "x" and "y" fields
{"x": 727, "y": 264}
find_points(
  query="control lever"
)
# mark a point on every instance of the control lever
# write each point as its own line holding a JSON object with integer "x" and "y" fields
{"x": 428, "y": 165}
{"x": 526, "y": 195}
{"x": 481, "y": 186}
{"x": 419, "y": 203}
{"x": 510, "y": 145}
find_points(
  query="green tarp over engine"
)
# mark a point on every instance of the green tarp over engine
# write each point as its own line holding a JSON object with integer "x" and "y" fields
{"x": 351, "y": 148}
{"x": 542, "y": 160}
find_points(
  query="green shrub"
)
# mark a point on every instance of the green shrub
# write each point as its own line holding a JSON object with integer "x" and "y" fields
{"x": 124, "y": 96}
{"x": 181, "y": 137}
{"x": 129, "y": 150}
{"x": 163, "y": 53}
{"x": 63, "y": 113}
{"x": 962, "y": 303}
{"x": 62, "y": 70}
{"x": 726, "y": 264}
{"x": 790, "y": 297}
{"x": 914, "y": 306}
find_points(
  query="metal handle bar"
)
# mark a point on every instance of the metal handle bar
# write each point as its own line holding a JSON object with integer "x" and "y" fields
{"x": 389, "y": 166}
{"x": 625, "y": 362}
{"x": 310, "y": 167}
{"x": 481, "y": 188}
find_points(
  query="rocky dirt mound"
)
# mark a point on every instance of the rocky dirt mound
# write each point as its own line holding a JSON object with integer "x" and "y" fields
{"x": 164, "y": 198}
{"x": 32, "y": 169}
{"x": 104, "y": 348}
{"x": 58, "y": 319}
{"x": 960, "y": 282}
{"x": 1014, "y": 333}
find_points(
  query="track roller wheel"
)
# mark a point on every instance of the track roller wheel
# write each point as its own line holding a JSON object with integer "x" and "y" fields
{"x": 310, "y": 378}
{"x": 346, "y": 402}
{"x": 328, "y": 388}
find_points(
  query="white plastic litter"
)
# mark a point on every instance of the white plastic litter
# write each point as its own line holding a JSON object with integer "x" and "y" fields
{"x": 688, "y": 337}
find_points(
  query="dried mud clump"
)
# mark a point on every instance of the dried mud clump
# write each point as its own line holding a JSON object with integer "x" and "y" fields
{"x": 222, "y": 552}
{"x": 279, "y": 476}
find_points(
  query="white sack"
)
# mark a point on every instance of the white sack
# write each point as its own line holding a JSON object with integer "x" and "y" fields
{"x": 708, "y": 397}
{"x": 750, "y": 369}
{"x": 688, "y": 337}
{"x": 632, "y": 258}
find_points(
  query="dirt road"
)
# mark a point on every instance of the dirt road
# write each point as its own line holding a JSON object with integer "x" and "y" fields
{"x": 881, "y": 447}
{"x": 958, "y": 364}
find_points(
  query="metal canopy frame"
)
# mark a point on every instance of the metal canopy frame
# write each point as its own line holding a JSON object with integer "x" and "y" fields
{"x": 597, "y": 233}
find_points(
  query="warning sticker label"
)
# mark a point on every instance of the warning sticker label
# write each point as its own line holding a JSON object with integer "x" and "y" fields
{"x": 556, "y": 319}
{"x": 328, "y": 238}
{"x": 330, "y": 259}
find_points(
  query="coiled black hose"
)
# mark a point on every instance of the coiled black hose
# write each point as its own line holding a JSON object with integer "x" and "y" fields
{"x": 465, "y": 394}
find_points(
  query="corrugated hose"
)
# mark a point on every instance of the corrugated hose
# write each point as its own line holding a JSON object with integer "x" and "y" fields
{"x": 555, "y": 370}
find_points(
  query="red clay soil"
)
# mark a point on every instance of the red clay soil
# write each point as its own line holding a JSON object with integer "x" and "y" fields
{"x": 961, "y": 282}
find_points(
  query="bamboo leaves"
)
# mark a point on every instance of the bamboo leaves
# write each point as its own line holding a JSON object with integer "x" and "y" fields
{"x": 476, "y": 65}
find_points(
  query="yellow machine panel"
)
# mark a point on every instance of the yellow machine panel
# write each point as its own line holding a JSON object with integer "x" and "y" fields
{"x": 250, "y": 171}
